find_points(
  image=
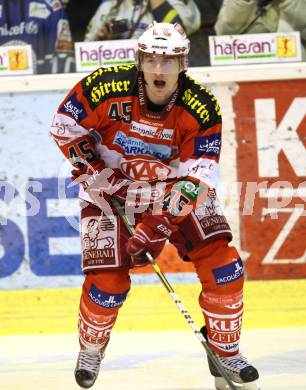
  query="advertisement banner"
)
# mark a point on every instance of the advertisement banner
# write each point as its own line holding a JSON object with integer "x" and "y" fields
{"x": 16, "y": 60}
{"x": 255, "y": 48}
{"x": 91, "y": 55}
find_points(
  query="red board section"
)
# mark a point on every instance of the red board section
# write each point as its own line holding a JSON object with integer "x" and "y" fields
{"x": 271, "y": 154}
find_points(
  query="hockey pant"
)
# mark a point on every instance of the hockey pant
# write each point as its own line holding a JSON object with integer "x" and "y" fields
{"x": 220, "y": 271}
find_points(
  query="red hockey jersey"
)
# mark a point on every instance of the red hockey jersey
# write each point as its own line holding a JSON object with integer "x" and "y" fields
{"x": 105, "y": 116}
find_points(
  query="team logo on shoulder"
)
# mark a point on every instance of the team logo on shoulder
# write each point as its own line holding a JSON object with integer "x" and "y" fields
{"x": 145, "y": 170}
{"x": 209, "y": 145}
{"x": 74, "y": 108}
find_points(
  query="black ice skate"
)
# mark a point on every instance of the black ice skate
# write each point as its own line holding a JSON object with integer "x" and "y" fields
{"x": 237, "y": 367}
{"x": 239, "y": 370}
{"x": 87, "y": 368}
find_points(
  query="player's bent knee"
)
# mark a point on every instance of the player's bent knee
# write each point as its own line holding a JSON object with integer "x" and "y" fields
{"x": 105, "y": 291}
{"x": 220, "y": 268}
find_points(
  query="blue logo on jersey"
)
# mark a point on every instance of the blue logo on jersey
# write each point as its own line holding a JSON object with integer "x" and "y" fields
{"x": 229, "y": 272}
{"x": 105, "y": 299}
{"x": 209, "y": 145}
{"x": 134, "y": 147}
{"x": 74, "y": 108}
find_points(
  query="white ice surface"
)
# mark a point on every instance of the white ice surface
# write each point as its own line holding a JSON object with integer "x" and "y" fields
{"x": 149, "y": 361}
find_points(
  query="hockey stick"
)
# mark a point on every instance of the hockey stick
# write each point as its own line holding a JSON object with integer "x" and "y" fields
{"x": 176, "y": 299}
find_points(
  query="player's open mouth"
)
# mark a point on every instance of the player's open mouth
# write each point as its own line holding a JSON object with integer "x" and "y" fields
{"x": 159, "y": 83}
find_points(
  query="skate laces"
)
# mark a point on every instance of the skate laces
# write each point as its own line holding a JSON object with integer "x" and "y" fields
{"x": 89, "y": 361}
{"x": 234, "y": 363}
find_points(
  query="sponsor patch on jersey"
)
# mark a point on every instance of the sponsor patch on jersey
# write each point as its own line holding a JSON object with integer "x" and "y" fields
{"x": 209, "y": 145}
{"x": 105, "y": 299}
{"x": 99, "y": 235}
{"x": 74, "y": 108}
{"x": 54, "y": 4}
{"x": 38, "y": 10}
{"x": 65, "y": 125}
{"x": 63, "y": 30}
{"x": 89, "y": 80}
{"x": 206, "y": 170}
{"x": 229, "y": 272}
{"x": 99, "y": 92}
{"x": 30, "y": 28}
{"x": 135, "y": 147}
{"x": 145, "y": 170}
{"x": 64, "y": 40}
{"x": 151, "y": 131}
{"x": 196, "y": 105}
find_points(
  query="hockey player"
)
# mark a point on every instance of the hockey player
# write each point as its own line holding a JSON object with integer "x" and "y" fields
{"x": 142, "y": 128}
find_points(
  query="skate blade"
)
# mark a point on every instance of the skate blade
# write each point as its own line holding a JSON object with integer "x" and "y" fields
{"x": 221, "y": 384}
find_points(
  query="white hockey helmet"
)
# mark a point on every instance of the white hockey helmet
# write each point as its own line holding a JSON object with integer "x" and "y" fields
{"x": 164, "y": 39}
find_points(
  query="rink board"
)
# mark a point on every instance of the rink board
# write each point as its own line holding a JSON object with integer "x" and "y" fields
{"x": 264, "y": 131}
{"x": 270, "y": 304}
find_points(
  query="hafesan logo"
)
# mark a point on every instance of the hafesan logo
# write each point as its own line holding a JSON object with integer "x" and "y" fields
{"x": 255, "y": 48}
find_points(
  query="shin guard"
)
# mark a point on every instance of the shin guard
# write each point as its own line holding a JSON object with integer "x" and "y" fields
{"x": 221, "y": 273}
{"x": 100, "y": 302}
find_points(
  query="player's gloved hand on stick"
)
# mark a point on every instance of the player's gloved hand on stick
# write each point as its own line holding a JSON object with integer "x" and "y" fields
{"x": 150, "y": 235}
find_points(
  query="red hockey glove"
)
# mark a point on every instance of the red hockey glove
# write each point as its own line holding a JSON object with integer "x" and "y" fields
{"x": 150, "y": 235}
